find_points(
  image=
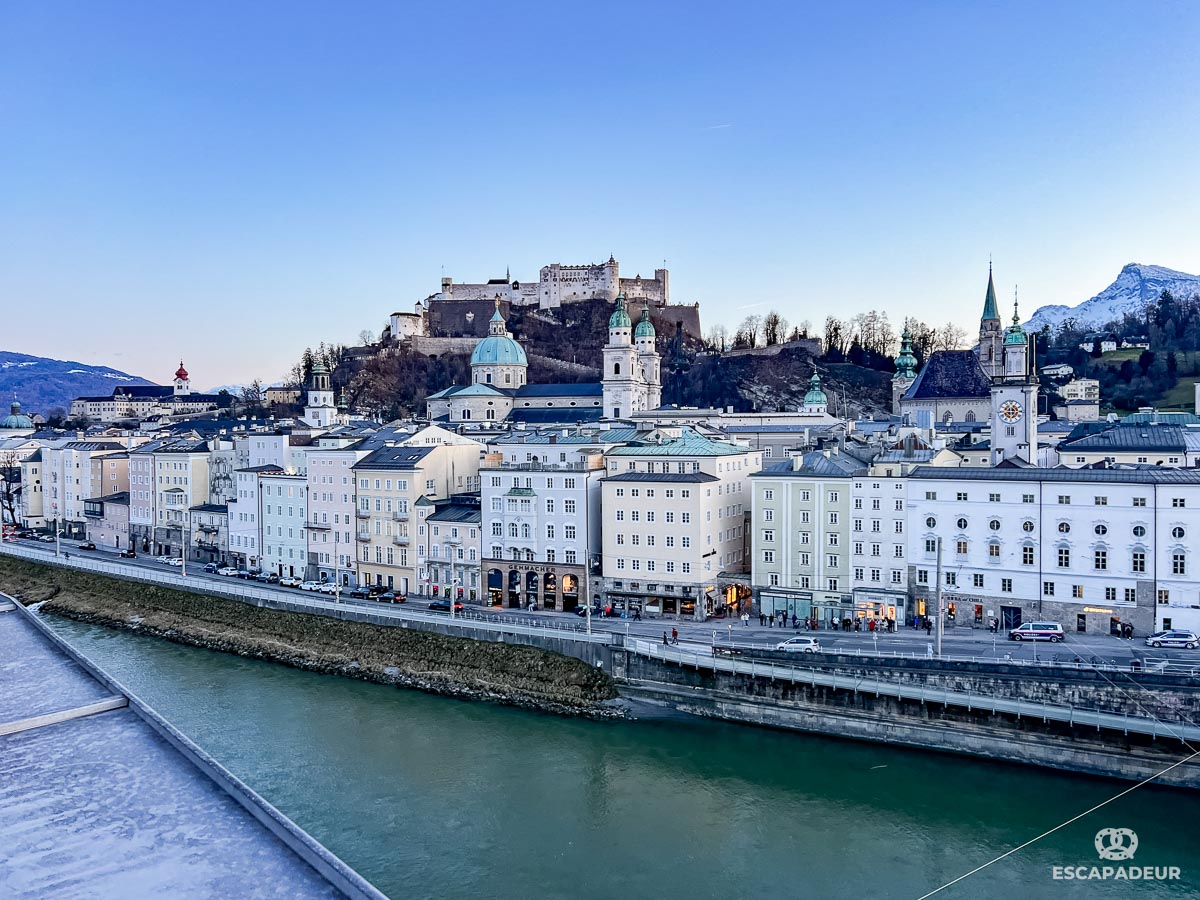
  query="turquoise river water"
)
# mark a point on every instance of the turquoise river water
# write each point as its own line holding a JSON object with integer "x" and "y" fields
{"x": 430, "y": 797}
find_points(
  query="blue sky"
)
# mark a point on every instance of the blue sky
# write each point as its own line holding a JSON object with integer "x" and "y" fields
{"x": 229, "y": 182}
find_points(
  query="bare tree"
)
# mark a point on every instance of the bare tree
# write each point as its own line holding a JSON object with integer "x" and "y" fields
{"x": 951, "y": 337}
{"x": 718, "y": 338}
{"x": 751, "y": 328}
{"x": 366, "y": 337}
{"x": 10, "y": 486}
{"x": 251, "y": 398}
{"x": 836, "y": 335}
{"x": 774, "y": 328}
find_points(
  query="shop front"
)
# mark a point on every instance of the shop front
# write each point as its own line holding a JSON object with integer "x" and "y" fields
{"x": 515, "y": 584}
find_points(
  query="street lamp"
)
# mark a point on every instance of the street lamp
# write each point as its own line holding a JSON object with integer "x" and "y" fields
{"x": 451, "y": 546}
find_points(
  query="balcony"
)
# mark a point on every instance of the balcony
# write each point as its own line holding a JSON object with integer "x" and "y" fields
{"x": 400, "y": 540}
{"x": 362, "y": 514}
{"x": 363, "y": 536}
{"x": 398, "y": 516}
{"x": 493, "y": 465}
{"x": 210, "y": 528}
{"x": 318, "y": 526}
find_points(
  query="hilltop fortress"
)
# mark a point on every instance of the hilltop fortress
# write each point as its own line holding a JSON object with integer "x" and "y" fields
{"x": 465, "y": 309}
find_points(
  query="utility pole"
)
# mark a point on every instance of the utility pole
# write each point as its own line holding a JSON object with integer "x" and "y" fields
{"x": 184, "y": 529}
{"x": 941, "y": 617}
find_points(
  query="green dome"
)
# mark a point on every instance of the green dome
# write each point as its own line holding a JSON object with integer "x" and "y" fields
{"x": 498, "y": 350}
{"x": 906, "y": 363}
{"x": 14, "y": 420}
{"x": 1015, "y": 336}
{"x": 815, "y": 395}
{"x": 644, "y": 326}
{"x": 620, "y": 318}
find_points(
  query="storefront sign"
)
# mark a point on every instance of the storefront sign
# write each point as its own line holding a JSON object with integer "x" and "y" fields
{"x": 1096, "y": 609}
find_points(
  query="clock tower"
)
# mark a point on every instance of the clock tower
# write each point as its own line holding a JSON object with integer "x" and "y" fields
{"x": 1014, "y": 398}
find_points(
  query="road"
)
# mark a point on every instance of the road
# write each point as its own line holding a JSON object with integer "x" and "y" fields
{"x": 957, "y": 642}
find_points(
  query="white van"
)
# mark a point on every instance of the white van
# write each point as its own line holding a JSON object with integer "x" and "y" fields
{"x": 1037, "y": 631}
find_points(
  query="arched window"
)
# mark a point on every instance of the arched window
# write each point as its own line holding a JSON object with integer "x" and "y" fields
{"x": 525, "y": 532}
{"x": 489, "y": 377}
{"x": 508, "y": 378}
{"x": 971, "y": 415}
{"x": 948, "y": 417}
{"x": 512, "y": 529}
{"x": 616, "y": 368}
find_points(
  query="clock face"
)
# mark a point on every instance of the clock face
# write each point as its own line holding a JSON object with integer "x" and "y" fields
{"x": 1010, "y": 411}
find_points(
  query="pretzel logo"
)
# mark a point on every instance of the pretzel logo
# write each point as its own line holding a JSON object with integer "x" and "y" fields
{"x": 1116, "y": 843}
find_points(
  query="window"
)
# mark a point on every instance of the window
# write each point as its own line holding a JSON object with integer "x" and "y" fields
{"x": 1064, "y": 499}
{"x": 931, "y": 495}
{"x": 1139, "y": 531}
{"x": 960, "y": 547}
{"x": 1006, "y": 585}
{"x": 831, "y": 585}
{"x": 1028, "y": 498}
{"x": 569, "y": 505}
{"x": 961, "y": 523}
{"x": 1178, "y": 564}
{"x": 833, "y": 496}
{"x": 768, "y": 494}
{"x": 931, "y": 522}
{"x": 993, "y": 498}
{"x": 994, "y": 525}
{"x": 1100, "y": 501}
{"x": 550, "y": 505}
{"x": 768, "y": 536}
{"x": 1047, "y": 588}
{"x": 993, "y": 551}
{"x": 930, "y": 545}
{"x": 1139, "y": 561}
{"x": 1177, "y": 533}
{"x": 922, "y": 576}
{"x": 1110, "y": 594}
{"x": 960, "y": 496}
{"x": 1139, "y": 501}
{"x": 1101, "y": 530}
{"x": 951, "y": 579}
{"x": 1164, "y": 596}
{"x": 1064, "y": 527}
{"x": 1027, "y": 556}
{"x": 977, "y": 580}
{"x": 768, "y": 556}
{"x": 1077, "y": 591}
{"x": 1178, "y": 502}
{"x": 685, "y": 518}
{"x": 1064, "y": 558}
{"x": 768, "y": 515}
{"x": 1027, "y": 527}
{"x": 569, "y": 532}
{"x": 685, "y": 541}
{"x": 1100, "y": 560}
{"x": 832, "y": 561}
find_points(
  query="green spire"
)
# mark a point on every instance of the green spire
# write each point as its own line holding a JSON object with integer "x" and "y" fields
{"x": 990, "y": 309}
{"x": 620, "y": 317}
{"x": 906, "y": 363}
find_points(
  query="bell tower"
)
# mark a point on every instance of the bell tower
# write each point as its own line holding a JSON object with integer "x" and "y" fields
{"x": 1014, "y": 398}
{"x": 991, "y": 332}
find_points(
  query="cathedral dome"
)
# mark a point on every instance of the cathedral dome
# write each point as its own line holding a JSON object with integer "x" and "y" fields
{"x": 644, "y": 327}
{"x": 815, "y": 396}
{"x": 14, "y": 420}
{"x": 181, "y": 372}
{"x": 620, "y": 317}
{"x": 498, "y": 350}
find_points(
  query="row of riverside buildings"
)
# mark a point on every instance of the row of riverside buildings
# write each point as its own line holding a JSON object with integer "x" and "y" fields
{"x": 579, "y": 494}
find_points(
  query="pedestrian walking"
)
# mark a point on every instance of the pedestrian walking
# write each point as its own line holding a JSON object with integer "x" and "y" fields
{"x": 674, "y": 636}
{"x": 666, "y": 640}
{"x": 928, "y": 625}
{"x": 762, "y": 619}
{"x": 795, "y": 622}
{"x": 929, "y": 650}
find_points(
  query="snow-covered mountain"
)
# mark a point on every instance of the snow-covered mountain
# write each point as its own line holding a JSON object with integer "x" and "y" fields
{"x": 1136, "y": 285}
{"x": 43, "y": 384}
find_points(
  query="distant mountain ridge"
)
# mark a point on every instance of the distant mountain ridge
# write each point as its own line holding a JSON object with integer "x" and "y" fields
{"x": 1136, "y": 285}
{"x": 42, "y": 384}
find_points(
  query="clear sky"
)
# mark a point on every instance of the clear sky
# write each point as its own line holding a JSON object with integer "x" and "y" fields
{"x": 228, "y": 182}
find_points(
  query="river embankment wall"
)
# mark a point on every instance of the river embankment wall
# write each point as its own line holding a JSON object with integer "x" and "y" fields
{"x": 508, "y": 672}
{"x": 927, "y": 725}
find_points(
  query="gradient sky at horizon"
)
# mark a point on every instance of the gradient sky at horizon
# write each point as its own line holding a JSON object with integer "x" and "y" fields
{"x": 230, "y": 182}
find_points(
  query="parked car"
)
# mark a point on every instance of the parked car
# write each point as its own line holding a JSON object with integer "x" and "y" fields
{"x": 210, "y": 568}
{"x": 227, "y": 571}
{"x": 328, "y": 587}
{"x": 386, "y": 597}
{"x": 360, "y": 593}
{"x": 290, "y": 581}
{"x": 799, "y": 645}
{"x": 444, "y": 606}
{"x": 245, "y": 574}
{"x": 267, "y": 578}
{"x": 1174, "y": 637}
{"x": 310, "y": 585}
{"x": 1037, "y": 631}
{"x": 46, "y": 538}
{"x": 26, "y": 533}
{"x": 128, "y": 554}
{"x": 87, "y": 545}
{"x": 162, "y": 559}
{"x": 176, "y": 561}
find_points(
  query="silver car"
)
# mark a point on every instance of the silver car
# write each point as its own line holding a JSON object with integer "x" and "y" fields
{"x": 1174, "y": 638}
{"x": 799, "y": 645}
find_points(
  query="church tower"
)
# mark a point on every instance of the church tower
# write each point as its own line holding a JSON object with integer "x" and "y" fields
{"x": 624, "y": 389}
{"x": 319, "y": 410}
{"x": 991, "y": 333}
{"x": 182, "y": 386}
{"x": 906, "y": 371}
{"x": 1014, "y": 398}
{"x": 644, "y": 338}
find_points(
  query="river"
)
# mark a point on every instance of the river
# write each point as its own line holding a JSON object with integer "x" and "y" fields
{"x": 431, "y": 797}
